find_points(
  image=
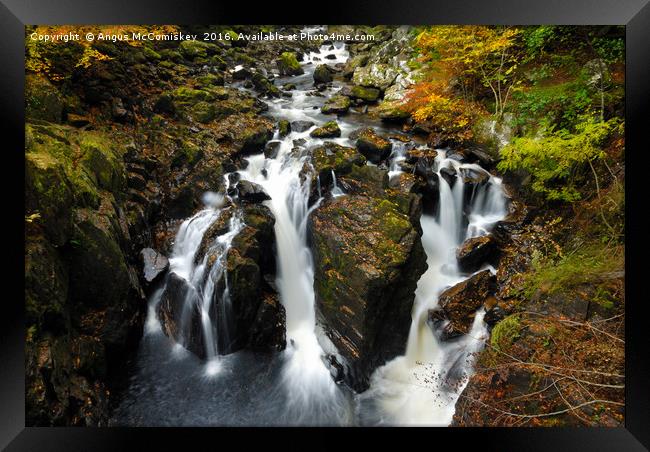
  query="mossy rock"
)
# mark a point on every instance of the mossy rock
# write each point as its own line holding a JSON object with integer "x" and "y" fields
{"x": 190, "y": 96}
{"x": 210, "y": 80}
{"x": 284, "y": 127}
{"x": 337, "y": 104}
{"x": 103, "y": 162}
{"x": 334, "y": 157}
{"x": 288, "y": 64}
{"x": 195, "y": 49}
{"x": 46, "y": 285}
{"x": 203, "y": 112}
{"x": 328, "y": 130}
{"x": 42, "y": 100}
{"x": 365, "y": 93}
{"x": 322, "y": 74}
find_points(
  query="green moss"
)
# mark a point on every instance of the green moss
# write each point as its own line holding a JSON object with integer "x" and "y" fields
{"x": 203, "y": 112}
{"x": 194, "y": 49}
{"x": 187, "y": 95}
{"x": 288, "y": 64}
{"x": 364, "y": 93}
{"x": 505, "y": 332}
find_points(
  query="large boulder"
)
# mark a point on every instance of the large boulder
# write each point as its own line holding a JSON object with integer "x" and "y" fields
{"x": 255, "y": 319}
{"x": 336, "y": 104}
{"x": 364, "y": 93}
{"x": 251, "y": 192}
{"x": 368, "y": 258}
{"x": 376, "y": 75}
{"x": 328, "y": 130}
{"x": 373, "y": 146}
{"x": 330, "y": 157}
{"x": 475, "y": 252}
{"x": 288, "y": 64}
{"x": 322, "y": 74}
{"x": 459, "y": 303}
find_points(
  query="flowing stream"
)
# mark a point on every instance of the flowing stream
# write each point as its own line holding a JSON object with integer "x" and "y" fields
{"x": 171, "y": 386}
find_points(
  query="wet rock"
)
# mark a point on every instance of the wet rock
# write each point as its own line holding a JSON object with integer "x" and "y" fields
{"x": 459, "y": 303}
{"x": 284, "y": 128}
{"x": 264, "y": 85}
{"x": 336, "y": 104}
{"x": 322, "y": 74}
{"x": 373, "y": 146}
{"x": 241, "y": 74}
{"x": 154, "y": 265}
{"x": 330, "y": 157}
{"x": 449, "y": 175}
{"x": 475, "y": 252}
{"x": 288, "y": 64}
{"x": 328, "y": 130}
{"x": 268, "y": 331}
{"x": 188, "y": 333}
{"x": 301, "y": 126}
{"x": 368, "y": 258}
{"x": 251, "y": 192}
{"x": 271, "y": 149}
{"x": 365, "y": 94}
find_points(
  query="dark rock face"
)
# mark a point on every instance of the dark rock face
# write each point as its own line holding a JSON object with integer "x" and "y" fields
{"x": 322, "y": 74}
{"x": 373, "y": 146}
{"x": 253, "y": 316}
{"x": 459, "y": 303}
{"x": 301, "y": 126}
{"x": 368, "y": 259}
{"x": 475, "y": 252}
{"x": 328, "y": 130}
{"x": 251, "y": 192}
{"x": 154, "y": 265}
{"x": 183, "y": 327}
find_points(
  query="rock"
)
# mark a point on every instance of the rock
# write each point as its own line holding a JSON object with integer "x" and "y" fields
{"x": 203, "y": 112}
{"x": 475, "y": 252}
{"x": 393, "y": 111}
{"x": 253, "y": 135}
{"x": 268, "y": 331}
{"x": 374, "y": 147}
{"x": 42, "y": 99}
{"x": 165, "y": 104}
{"x": 154, "y": 265}
{"x": 449, "y": 175}
{"x": 284, "y": 128}
{"x": 328, "y": 130}
{"x": 459, "y": 303}
{"x": 301, "y": 126}
{"x": 264, "y": 85}
{"x": 251, "y": 192}
{"x": 322, "y": 74}
{"x": 330, "y": 56}
{"x": 368, "y": 258}
{"x": 194, "y": 49}
{"x": 271, "y": 149}
{"x": 336, "y": 104}
{"x": 118, "y": 110}
{"x": 365, "y": 94}
{"x": 288, "y": 64}
{"x": 289, "y": 86}
{"x": 330, "y": 157}
{"x": 241, "y": 73}
{"x": 376, "y": 75}
{"x": 353, "y": 63}
{"x": 176, "y": 294}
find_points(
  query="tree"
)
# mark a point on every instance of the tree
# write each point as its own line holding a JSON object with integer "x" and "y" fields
{"x": 476, "y": 55}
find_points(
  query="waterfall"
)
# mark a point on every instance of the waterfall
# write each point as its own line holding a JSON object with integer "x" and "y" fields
{"x": 422, "y": 387}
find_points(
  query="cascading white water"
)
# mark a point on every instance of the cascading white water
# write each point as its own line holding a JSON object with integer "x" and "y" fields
{"x": 422, "y": 387}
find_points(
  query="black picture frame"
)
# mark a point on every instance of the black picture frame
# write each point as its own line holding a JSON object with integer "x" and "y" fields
{"x": 635, "y": 14}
